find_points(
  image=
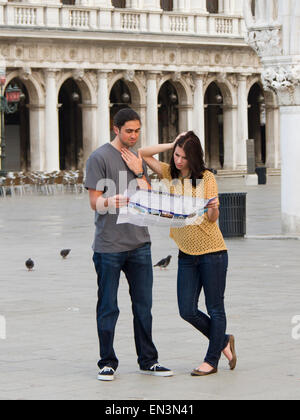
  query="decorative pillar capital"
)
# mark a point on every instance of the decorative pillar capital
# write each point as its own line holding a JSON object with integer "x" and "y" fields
{"x": 265, "y": 41}
{"x": 152, "y": 75}
{"x": 103, "y": 74}
{"x": 285, "y": 81}
{"x": 51, "y": 72}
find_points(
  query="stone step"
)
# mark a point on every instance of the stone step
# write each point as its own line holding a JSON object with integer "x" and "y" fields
{"x": 229, "y": 173}
{"x": 273, "y": 172}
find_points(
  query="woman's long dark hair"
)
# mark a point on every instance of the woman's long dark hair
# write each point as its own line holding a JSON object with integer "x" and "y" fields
{"x": 191, "y": 145}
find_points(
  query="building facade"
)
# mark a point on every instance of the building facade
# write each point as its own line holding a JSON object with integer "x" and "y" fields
{"x": 181, "y": 64}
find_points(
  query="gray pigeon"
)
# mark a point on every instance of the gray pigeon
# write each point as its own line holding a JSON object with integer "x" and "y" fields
{"x": 65, "y": 252}
{"x": 29, "y": 264}
{"x": 164, "y": 262}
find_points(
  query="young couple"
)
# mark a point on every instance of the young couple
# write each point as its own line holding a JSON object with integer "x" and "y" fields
{"x": 202, "y": 260}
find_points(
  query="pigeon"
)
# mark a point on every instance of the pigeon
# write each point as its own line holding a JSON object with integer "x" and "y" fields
{"x": 164, "y": 262}
{"x": 29, "y": 264}
{"x": 65, "y": 252}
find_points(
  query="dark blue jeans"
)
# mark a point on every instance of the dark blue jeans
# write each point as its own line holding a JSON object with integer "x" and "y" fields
{"x": 207, "y": 272}
{"x": 137, "y": 266}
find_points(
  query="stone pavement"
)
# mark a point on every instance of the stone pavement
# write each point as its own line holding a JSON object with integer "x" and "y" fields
{"x": 49, "y": 347}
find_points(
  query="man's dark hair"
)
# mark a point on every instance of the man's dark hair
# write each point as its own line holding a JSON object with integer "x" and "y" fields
{"x": 125, "y": 115}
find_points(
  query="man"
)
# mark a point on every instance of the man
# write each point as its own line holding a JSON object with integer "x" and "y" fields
{"x": 121, "y": 247}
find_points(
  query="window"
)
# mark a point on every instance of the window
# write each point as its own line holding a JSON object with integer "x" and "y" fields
{"x": 212, "y": 6}
{"x": 253, "y": 7}
{"x": 120, "y": 4}
{"x": 166, "y": 5}
{"x": 68, "y": 2}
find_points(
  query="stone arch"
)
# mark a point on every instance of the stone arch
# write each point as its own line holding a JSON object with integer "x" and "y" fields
{"x": 17, "y": 128}
{"x": 220, "y": 120}
{"x": 271, "y": 98}
{"x": 185, "y": 94}
{"x": 135, "y": 86}
{"x": 70, "y": 121}
{"x": 182, "y": 85}
{"x": 228, "y": 91}
{"x": 34, "y": 116}
{"x": 88, "y": 92}
{"x": 263, "y": 116}
{"x": 34, "y": 87}
{"x": 256, "y": 121}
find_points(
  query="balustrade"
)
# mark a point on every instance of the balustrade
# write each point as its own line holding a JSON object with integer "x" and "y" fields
{"x": 104, "y": 18}
{"x": 25, "y": 16}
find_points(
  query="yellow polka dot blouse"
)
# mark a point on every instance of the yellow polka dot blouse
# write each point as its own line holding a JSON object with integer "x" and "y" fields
{"x": 204, "y": 237}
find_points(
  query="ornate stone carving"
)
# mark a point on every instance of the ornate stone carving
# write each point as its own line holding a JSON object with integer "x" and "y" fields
{"x": 78, "y": 74}
{"x": 176, "y": 76}
{"x": 280, "y": 78}
{"x": 25, "y": 73}
{"x": 266, "y": 42}
{"x": 129, "y": 75}
{"x": 264, "y": 33}
{"x": 190, "y": 81}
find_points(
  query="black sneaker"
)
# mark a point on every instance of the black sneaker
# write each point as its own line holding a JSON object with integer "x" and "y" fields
{"x": 106, "y": 374}
{"x": 157, "y": 370}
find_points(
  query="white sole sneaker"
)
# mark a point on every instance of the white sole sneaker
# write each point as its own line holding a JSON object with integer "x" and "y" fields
{"x": 105, "y": 377}
{"x": 155, "y": 373}
{"x": 106, "y": 374}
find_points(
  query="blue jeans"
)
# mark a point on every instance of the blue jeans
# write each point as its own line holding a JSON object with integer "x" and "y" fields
{"x": 207, "y": 272}
{"x": 137, "y": 266}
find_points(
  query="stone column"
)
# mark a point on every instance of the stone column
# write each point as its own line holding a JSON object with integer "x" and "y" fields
{"x": 238, "y": 7}
{"x": 290, "y": 152}
{"x": 154, "y": 18}
{"x": 133, "y": 4}
{"x": 198, "y": 6}
{"x": 198, "y": 117}
{"x": 102, "y": 3}
{"x": 230, "y": 140}
{"x": 51, "y": 123}
{"x": 277, "y": 44}
{"x": 272, "y": 136}
{"x": 152, "y": 5}
{"x": 227, "y": 7}
{"x": 84, "y": 3}
{"x": 181, "y": 6}
{"x": 152, "y": 109}
{"x": 89, "y": 129}
{"x": 242, "y": 125}
{"x": 103, "y": 117}
{"x": 37, "y": 137}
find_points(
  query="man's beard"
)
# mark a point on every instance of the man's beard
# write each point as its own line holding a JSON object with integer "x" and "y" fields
{"x": 124, "y": 143}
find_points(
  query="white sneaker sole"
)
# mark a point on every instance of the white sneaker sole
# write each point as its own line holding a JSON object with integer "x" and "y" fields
{"x": 105, "y": 378}
{"x": 162, "y": 374}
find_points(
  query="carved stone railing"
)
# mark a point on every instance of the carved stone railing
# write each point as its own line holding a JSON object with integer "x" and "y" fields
{"x": 25, "y": 16}
{"x": 112, "y": 19}
{"x": 179, "y": 24}
{"x": 130, "y": 21}
{"x": 79, "y": 19}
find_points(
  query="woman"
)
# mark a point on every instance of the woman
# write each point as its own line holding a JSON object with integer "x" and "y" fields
{"x": 203, "y": 258}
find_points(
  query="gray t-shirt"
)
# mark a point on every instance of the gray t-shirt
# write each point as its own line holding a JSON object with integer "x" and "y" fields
{"x": 106, "y": 171}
